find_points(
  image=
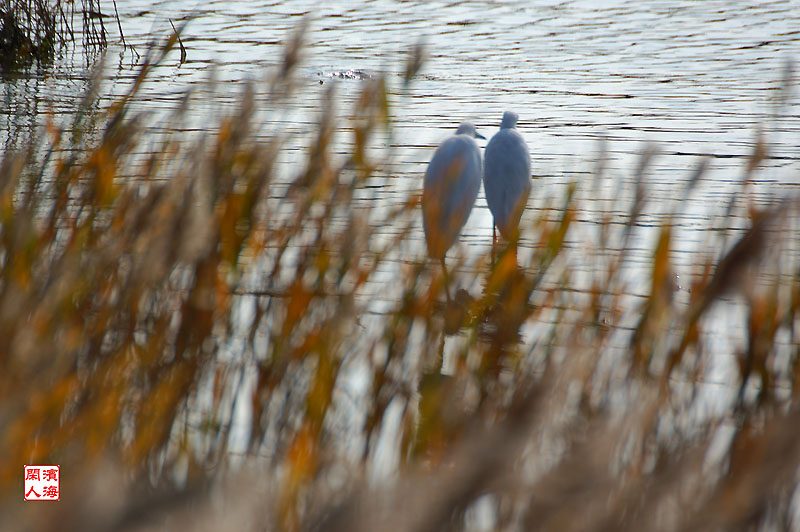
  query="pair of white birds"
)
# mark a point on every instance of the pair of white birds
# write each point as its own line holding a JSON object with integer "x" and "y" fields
{"x": 453, "y": 179}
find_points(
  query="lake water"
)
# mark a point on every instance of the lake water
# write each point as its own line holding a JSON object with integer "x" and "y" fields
{"x": 695, "y": 78}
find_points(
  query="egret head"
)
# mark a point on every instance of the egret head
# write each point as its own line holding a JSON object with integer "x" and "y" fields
{"x": 509, "y": 120}
{"x": 466, "y": 128}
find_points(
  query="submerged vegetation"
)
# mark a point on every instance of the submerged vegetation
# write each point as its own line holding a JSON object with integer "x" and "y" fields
{"x": 202, "y": 346}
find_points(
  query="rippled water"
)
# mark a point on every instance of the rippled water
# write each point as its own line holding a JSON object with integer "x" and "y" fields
{"x": 696, "y": 78}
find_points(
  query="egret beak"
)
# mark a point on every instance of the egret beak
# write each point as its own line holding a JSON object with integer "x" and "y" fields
{"x": 479, "y": 136}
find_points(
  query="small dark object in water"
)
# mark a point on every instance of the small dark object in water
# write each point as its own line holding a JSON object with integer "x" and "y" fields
{"x": 349, "y": 74}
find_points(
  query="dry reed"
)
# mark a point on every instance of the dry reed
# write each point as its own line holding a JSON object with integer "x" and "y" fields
{"x": 120, "y": 306}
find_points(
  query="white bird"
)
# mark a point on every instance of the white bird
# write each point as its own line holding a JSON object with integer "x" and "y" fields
{"x": 507, "y": 177}
{"x": 451, "y": 186}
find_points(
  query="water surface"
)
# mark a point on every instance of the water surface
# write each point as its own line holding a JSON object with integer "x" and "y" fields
{"x": 694, "y": 78}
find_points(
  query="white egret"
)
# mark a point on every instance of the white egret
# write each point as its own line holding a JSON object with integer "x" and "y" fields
{"x": 507, "y": 177}
{"x": 451, "y": 186}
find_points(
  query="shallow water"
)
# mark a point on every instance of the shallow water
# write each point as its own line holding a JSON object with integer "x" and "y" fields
{"x": 695, "y": 78}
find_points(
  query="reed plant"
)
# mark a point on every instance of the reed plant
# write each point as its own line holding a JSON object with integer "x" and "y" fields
{"x": 202, "y": 345}
{"x": 33, "y": 31}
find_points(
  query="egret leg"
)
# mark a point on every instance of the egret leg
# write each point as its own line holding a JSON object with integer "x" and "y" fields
{"x": 494, "y": 241}
{"x": 446, "y": 281}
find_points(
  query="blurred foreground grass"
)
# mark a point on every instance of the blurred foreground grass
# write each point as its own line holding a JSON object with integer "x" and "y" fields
{"x": 188, "y": 347}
